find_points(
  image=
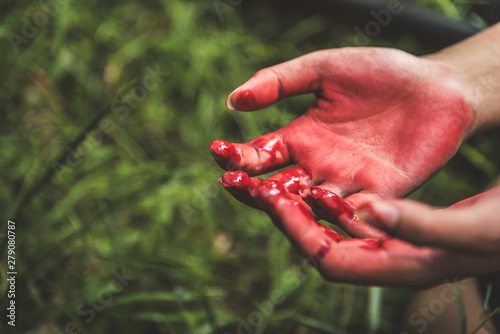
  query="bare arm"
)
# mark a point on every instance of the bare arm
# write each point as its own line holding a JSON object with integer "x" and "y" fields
{"x": 475, "y": 64}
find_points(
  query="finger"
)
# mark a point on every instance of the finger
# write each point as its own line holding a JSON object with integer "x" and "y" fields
{"x": 293, "y": 220}
{"x": 327, "y": 205}
{"x": 240, "y": 185}
{"x": 293, "y": 179}
{"x": 472, "y": 228}
{"x": 298, "y": 76}
{"x": 357, "y": 200}
{"x": 259, "y": 156}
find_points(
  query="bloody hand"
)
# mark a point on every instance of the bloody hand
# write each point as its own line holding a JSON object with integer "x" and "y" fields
{"x": 383, "y": 122}
{"x": 454, "y": 243}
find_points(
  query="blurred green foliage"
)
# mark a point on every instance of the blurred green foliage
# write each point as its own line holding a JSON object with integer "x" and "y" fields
{"x": 106, "y": 171}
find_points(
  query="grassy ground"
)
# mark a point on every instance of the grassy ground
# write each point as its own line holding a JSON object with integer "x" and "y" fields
{"x": 107, "y": 112}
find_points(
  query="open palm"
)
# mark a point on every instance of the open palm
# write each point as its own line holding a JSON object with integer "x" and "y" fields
{"x": 383, "y": 122}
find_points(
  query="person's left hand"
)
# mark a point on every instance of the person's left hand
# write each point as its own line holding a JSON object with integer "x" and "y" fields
{"x": 461, "y": 241}
{"x": 383, "y": 122}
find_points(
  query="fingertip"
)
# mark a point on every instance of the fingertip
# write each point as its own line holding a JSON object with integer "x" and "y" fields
{"x": 241, "y": 187}
{"x": 257, "y": 93}
{"x": 310, "y": 200}
{"x": 309, "y": 192}
{"x": 336, "y": 205}
{"x": 225, "y": 154}
{"x": 246, "y": 101}
{"x": 329, "y": 201}
{"x": 237, "y": 179}
{"x": 242, "y": 100}
{"x": 382, "y": 215}
{"x": 309, "y": 195}
{"x": 223, "y": 149}
{"x": 363, "y": 214}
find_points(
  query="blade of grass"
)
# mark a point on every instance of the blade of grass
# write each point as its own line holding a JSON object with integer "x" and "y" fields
{"x": 374, "y": 308}
{"x": 461, "y": 309}
{"x": 487, "y": 297}
{"x": 488, "y": 317}
{"x": 209, "y": 310}
{"x": 478, "y": 159}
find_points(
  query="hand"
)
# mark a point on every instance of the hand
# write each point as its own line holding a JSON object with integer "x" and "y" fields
{"x": 384, "y": 121}
{"x": 457, "y": 242}
{"x": 471, "y": 226}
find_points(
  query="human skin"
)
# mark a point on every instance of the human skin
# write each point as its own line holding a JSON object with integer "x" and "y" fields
{"x": 383, "y": 123}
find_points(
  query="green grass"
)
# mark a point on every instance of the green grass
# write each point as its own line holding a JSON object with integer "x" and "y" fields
{"x": 141, "y": 193}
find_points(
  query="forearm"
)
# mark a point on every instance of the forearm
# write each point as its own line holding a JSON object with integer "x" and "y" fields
{"x": 475, "y": 65}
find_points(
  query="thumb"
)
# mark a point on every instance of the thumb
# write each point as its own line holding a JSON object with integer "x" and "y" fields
{"x": 474, "y": 228}
{"x": 298, "y": 76}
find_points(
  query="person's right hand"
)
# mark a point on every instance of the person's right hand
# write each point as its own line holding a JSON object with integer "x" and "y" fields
{"x": 426, "y": 245}
{"x": 384, "y": 121}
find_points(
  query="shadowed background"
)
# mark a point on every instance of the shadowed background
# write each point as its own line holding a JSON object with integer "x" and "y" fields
{"x": 107, "y": 111}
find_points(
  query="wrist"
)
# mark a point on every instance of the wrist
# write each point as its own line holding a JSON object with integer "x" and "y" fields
{"x": 474, "y": 69}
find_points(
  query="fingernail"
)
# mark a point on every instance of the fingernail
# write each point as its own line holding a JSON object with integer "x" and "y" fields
{"x": 246, "y": 100}
{"x": 380, "y": 214}
{"x": 229, "y": 103}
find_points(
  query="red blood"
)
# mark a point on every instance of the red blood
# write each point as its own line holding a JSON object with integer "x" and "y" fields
{"x": 323, "y": 250}
{"x": 235, "y": 179}
{"x": 269, "y": 189}
{"x": 380, "y": 242}
{"x": 224, "y": 149}
{"x": 239, "y": 184}
{"x": 338, "y": 206}
{"x": 226, "y": 155}
{"x": 271, "y": 146}
{"x": 293, "y": 179}
{"x": 269, "y": 195}
{"x": 239, "y": 181}
{"x": 375, "y": 244}
{"x": 335, "y": 205}
{"x": 245, "y": 100}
